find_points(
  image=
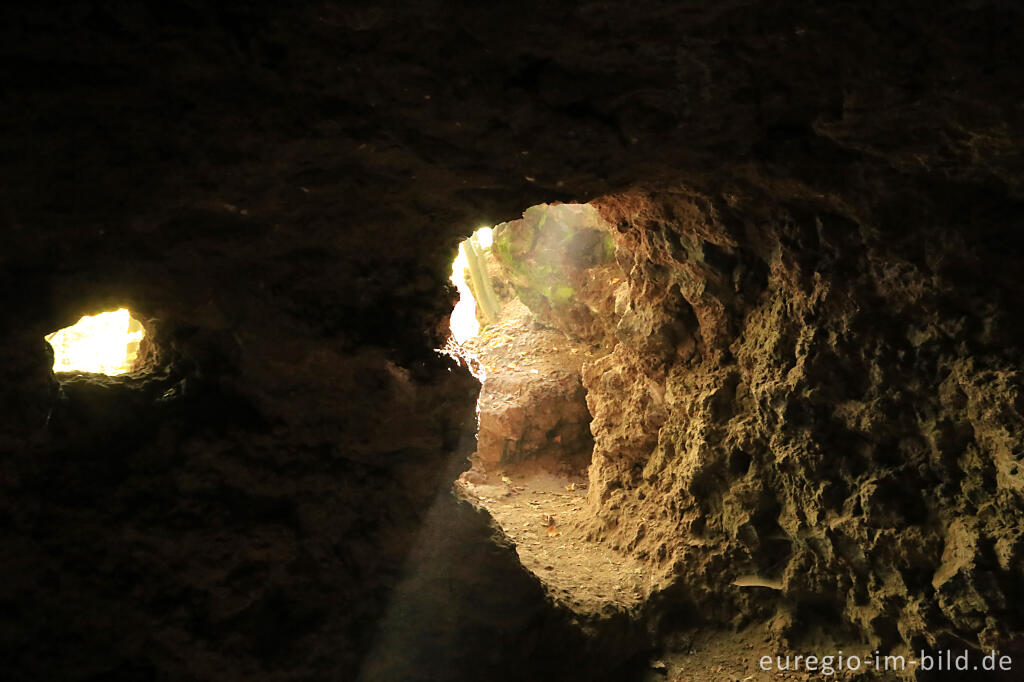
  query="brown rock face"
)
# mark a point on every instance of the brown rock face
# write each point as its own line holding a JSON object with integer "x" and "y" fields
{"x": 528, "y": 418}
{"x": 772, "y": 428}
{"x": 812, "y": 369}
{"x": 532, "y": 408}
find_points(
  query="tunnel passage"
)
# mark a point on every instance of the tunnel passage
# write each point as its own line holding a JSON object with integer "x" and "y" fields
{"x": 537, "y": 303}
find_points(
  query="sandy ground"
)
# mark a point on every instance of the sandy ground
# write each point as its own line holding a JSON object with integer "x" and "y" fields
{"x": 542, "y": 513}
{"x": 543, "y": 518}
{"x": 707, "y": 655}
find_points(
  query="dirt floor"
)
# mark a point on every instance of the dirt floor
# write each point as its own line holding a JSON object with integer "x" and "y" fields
{"x": 542, "y": 513}
{"x": 708, "y": 655}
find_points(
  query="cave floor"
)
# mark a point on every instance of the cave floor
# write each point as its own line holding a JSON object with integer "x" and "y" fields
{"x": 708, "y": 654}
{"x": 544, "y": 515}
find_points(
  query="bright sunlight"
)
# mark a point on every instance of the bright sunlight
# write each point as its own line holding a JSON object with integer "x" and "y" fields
{"x": 107, "y": 343}
{"x": 464, "y": 324}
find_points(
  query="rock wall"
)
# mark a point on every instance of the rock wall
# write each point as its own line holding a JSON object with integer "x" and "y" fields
{"x": 815, "y": 399}
{"x": 528, "y": 418}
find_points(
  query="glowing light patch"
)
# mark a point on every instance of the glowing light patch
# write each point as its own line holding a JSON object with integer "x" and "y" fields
{"x": 107, "y": 343}
{"x": 485, "y": 236}
{"x": 464, "y": 324}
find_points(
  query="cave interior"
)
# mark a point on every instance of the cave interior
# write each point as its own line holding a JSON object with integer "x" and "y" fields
{"x": 741, "y": 376}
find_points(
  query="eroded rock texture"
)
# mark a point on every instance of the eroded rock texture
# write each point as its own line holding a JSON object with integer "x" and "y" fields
{"x": 532, "y": 408}
{"x": 818, "y": 207}
{"x": 809, "y": 407}
{"x": 556, "y": 270}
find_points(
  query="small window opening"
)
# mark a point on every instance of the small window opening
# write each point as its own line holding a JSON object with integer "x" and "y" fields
{"x": 537, "y": 301}
{"x": 107, "y": 343}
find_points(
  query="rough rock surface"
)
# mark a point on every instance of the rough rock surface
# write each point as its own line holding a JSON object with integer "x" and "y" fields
{"x": 814, "y": 411}
{"x": 532, "y": 410}
{"x": 824, "y": 272}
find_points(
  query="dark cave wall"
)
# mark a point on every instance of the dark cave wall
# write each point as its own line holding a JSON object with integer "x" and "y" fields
{"x": 279, "y": 192}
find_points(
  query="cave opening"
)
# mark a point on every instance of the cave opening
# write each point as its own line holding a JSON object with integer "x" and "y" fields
{"x": 105, "y": 343}
{"x": 537, "y": 304}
